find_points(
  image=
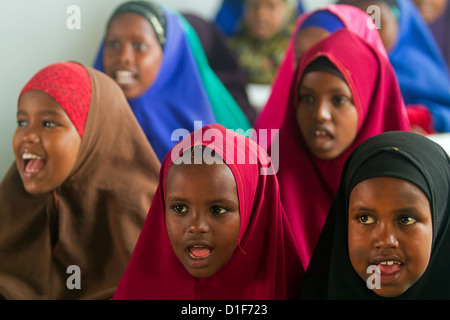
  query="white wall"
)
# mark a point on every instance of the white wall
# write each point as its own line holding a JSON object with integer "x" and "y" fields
{"x": 34, "y": 34}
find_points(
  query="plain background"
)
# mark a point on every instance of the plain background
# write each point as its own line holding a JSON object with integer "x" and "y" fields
{"x": 34, "y": 34}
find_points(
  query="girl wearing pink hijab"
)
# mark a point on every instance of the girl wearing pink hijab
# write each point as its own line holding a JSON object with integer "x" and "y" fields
{"x": 310, "y": 28}
{"x": 344, "y": 91}
{"x": 216, "y": 228}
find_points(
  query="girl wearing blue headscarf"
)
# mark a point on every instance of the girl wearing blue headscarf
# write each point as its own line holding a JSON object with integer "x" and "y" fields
{"x": 148, "y": 52}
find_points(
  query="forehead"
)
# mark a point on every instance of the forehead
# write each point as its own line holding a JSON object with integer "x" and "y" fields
{"x": 323, "y": 81}
{"x": 393, "y": 189}
{"x": 38, "y": 101}
{"x": 130, "y": 22}
{"x": 203, "y": 175}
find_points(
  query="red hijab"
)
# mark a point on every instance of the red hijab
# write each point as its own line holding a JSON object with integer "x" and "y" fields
{"x": 264, "y": 265}
{"x": 309, "y": 184}
{"x": 353, "y": 19}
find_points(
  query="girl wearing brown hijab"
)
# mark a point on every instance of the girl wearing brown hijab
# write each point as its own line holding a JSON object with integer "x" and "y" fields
{"x": 74, "y": 202}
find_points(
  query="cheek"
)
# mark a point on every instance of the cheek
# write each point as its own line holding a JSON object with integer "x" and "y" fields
{"x": 358, "y": 247}
{"x": 63, "y": 151}
{"x": 149, "y": 66}
{"x": 348, "y": 126}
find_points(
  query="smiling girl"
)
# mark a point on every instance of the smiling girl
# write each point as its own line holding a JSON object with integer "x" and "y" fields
{"x": 78, "y": 193}
{"x": 151, "y": 52}
{"x": 392, "y": 212}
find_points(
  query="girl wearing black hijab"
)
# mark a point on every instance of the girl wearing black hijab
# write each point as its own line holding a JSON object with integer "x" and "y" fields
{"x": 387, "y": 234}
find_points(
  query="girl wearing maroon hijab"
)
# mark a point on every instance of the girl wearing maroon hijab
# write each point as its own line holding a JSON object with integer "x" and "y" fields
{"x": 344, "y": 91}
{"x": 216, "y": 229}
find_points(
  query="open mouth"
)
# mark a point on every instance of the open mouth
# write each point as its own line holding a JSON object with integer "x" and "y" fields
{"x": 199, "y": 252}
{"x": 32, "y": 163}
{"x": 124, "y": 77}
{"x": 389, "y": 267}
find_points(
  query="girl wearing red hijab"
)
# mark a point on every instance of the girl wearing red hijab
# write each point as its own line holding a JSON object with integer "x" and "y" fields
{"x": 344, "y": 91}
{"x": 216, "y": 229}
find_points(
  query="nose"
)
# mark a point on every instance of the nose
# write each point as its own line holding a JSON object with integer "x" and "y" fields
{"x": 385, "y": 237}
{"x": 323, "y": 112}
{"x": 31, "y": 135}
{"x": 126, "y": 54}
{"x": 198, "y": 223}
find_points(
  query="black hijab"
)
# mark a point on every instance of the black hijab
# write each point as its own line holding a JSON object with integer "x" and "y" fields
{"x": 404, "y": 155}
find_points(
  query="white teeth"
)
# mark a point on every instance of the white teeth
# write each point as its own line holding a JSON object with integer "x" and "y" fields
{"x": 29, "y": 156}
{"x": 389, "y": 263}
{"x": 124, "y": 76}
{"x": 320, "y": 133}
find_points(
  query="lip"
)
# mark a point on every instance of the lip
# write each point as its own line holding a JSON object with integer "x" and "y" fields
{"x": 25, "y": 156}
{"x": 321, "y": 136}
{"x": 388, "y": 261}
{"x": 125, "y": 77}
{"x": 198, "y": 261}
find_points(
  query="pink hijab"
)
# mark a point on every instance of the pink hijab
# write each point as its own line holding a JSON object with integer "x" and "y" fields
{"x": 354, "y": 19}
{"x": 308, "y": 184}
{"x": 265, "y": 263}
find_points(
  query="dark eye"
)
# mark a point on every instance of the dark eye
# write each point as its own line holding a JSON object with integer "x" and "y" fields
{"x": 21, "y": 123}
{"x": 365, "y": 219}
{"x": 113, "y": 44}
{"x": 218, "y": 210}
{"x": 340, "y": 100}
{"x": 407, "y": 220}
{"x": 49, "y": 124}
{"x": 180, "y": 208}
{"x": 305, "y": 98}
{"x": 138, "y": 46}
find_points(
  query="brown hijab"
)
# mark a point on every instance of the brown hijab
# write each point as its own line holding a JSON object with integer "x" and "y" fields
{"x": 99, "y": 210}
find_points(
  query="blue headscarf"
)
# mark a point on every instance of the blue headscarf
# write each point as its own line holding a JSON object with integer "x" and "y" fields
{"x": 177, "y": 97}
{"x": 323, "y": 19}
{"x": 420, "y": 67}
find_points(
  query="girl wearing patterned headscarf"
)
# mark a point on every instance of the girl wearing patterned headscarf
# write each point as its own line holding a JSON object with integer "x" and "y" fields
{"x": 77, "y": 196}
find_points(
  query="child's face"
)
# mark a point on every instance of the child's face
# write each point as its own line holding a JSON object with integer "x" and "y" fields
{"x": 132, "y": 54}
{"x": 202, "y": 216}
{"x": 45, "y": 143}
{"x": 430, "y": 9}
{"x": 306, "y": 38}
{"x": 389, "y": 225}
{"x": 265, "y": 18}
{"x": 326, "y": 114}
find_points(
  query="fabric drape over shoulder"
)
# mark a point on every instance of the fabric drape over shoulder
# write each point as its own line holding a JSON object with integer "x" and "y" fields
{"x": 264, "y": 264}
{"x": 420, "y": 66}
{"x": 179, "y": 96}
{"x": 308, "y": 184}
{"x": 100, "y": 208}
{"x": 441, "y": 31}
{"x": 354, "y": 19}
{"x": 405, "y": 155}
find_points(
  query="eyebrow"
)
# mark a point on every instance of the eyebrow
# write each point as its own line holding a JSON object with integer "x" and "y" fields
{"x": 399, "y": 210}
{"x": 334, "y": 90}
{"x": 43, "y": 112}
{"x": 175, "y": 199}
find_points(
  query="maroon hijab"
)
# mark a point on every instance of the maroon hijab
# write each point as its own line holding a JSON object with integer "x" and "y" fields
{"x": 264, "y": 264}
{"x": 308, "y": 184}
